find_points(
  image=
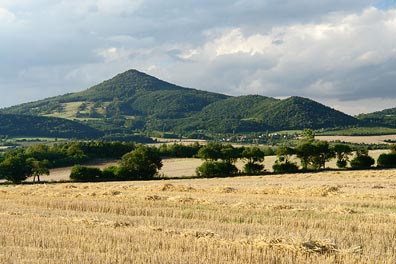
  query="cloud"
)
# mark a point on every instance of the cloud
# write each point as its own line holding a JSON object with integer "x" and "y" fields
{"x": 330, "y": 50}
{"x": 347, "y": 57}
{"x": 6, "y": 16}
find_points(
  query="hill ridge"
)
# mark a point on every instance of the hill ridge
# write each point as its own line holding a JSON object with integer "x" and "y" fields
{"x": 134, "y": 102}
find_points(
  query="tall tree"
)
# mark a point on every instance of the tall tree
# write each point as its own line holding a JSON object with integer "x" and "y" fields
{"x": 322, "y": 153}
{"x": 15, "y": 168}
{"x": 254, "y": 157}
{"x": 143, "y": 163}
{"x": 342, "y": 153}
{"x": 38, "y": 168}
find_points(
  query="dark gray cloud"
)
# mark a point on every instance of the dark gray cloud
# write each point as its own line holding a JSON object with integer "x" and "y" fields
{"x": 336, "y": 51}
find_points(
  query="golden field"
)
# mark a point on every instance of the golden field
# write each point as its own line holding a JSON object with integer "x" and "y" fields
{"x": 327, "y": 217}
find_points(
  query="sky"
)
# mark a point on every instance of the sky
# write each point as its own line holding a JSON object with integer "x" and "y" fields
{"x": 341, "y": 53}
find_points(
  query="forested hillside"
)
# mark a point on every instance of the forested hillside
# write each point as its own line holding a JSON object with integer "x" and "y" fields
{"x": 385, "y": 118}
{"x": 37, "y": 126}
{"x": 134, "y": 102}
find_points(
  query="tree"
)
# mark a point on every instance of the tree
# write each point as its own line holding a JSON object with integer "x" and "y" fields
{"x": 85, "y": 174}
{"x": 283, "y": 163}
{"x": 216, "y": 169}
{"x": 308, "y": 136}
{"x": 142, "y": 163}
{"x": 15, "y": 168}
{"x": 38, "y": 168}
{"x": 322, "y": 153}
{"x": 314, "y": 154}
{"x": 74, "y": 151}
{"x": 387, "y": 160}
{"x": 342, "y": 153}
{"x": 210, "y": 152}
{"x": 285, "y": 153}
{"x": 285, "y": 167}
{"x": 230, "y": 154}
{"x": 254, "y": 157}
{"x": 362, "y": 159}
{"x": 305, "y": 151}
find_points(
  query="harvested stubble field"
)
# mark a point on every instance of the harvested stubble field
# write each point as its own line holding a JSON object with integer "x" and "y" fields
{"x": 328, "y": 217}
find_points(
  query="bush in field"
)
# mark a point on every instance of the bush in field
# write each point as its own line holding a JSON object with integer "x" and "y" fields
{"x": 252, "y": 168}
{"x": 387, "y": 160}
{"x": 362, "y": 160}
{"x": 216, "y": 169}
{"x": 85, "y": 174}
{"x": 114, "y": 173}
{"x": 285, "y": 167}
{"x": 110, "y": 173}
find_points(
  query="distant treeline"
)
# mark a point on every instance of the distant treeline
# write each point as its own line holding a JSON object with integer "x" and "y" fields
{"x": 140, "y": 162}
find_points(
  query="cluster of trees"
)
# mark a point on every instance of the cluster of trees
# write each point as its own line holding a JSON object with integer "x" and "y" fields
{"x": 16, "y": 165}
{"x": 17, "y": 168}
{"x": 142, "y": 163}
{"x": 179, "y": 150}
{"x": 220, "y": 160}
{"x": 313, "y": 155}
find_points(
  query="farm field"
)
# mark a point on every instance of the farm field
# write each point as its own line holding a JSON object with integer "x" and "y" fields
{"x": 328, "y": 217}
{"x": 358, "y": 139}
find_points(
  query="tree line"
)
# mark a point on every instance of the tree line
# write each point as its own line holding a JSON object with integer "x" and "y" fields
{"x": 141, "y": 162}
{"x": 16, "y": 165}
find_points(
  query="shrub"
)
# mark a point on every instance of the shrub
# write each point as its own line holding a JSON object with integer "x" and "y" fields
{"x": 362, "y": 162}
{"x": 387, "y": 160}
{"x": 285, "y": 167}
{"x": 252, "y": 168}
{"x": 216, "y": 169}
{"x": 85, "y": 174}
{"x": 341, "y": 164}
{"x": 110, "y": 173}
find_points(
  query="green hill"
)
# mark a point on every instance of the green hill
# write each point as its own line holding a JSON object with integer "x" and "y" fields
{"x": 255, "y": 113}
{"x": 297, "y": 112}
{"x": 38, "y": 126}
{"x": 385, "y": 118}
{"x": 134, "y": 102}
{"x": 131, "y": 93}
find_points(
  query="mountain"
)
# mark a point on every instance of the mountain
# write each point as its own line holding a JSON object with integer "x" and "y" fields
{"x": 38, "y": 126}
{"x": 134, "y": 102}
{"x": 385, "y": 118}
{"x": 129, "y": 94}
{"x": 255, "y": 113}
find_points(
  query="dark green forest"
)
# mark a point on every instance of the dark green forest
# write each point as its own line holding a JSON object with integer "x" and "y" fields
{"x": 38, "y": 126}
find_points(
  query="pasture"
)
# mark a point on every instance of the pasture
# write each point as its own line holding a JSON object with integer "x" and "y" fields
{"x": 327, "y": 217}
